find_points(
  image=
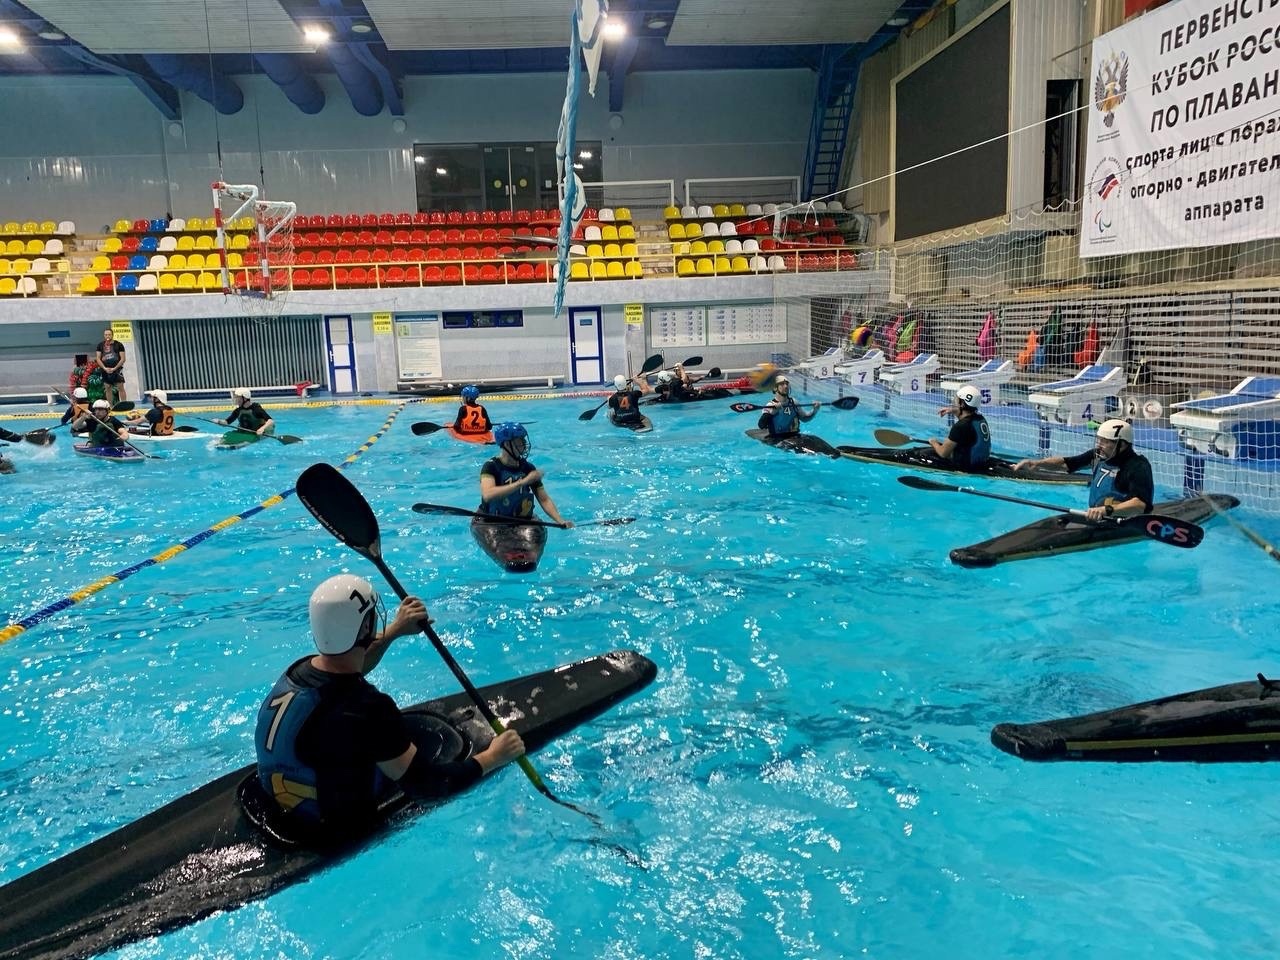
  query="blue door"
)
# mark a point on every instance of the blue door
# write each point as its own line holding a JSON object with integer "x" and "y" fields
{"x": 342, "y": 354}
{"x": 586, "y": 344}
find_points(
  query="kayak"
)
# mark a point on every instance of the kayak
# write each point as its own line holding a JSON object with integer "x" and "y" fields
{"x": 235, "y": 439}
{"x": 214, "y": 849}
{"x": 694, "y": 396}
{"x": 516, "y": 547}
{"x": 486, "y": 437}
{"x": 923, "y": 458}
{"x": 1067, "y": 533}
{"x": 1228, "y": 724}
{"x": 113, "y": 454}
{"x": 797, "y": 443}
{"x": 643, "y": 425}
{"x": 176, "y": 435}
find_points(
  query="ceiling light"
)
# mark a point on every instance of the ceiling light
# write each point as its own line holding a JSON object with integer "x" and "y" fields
{"x": 656, "y": 23}
{"x": 441, "y": 172}
{"x": 614, "y": 30}
{"x": 314, "y": 34}
{"x": 48, "y": 33}
{"x": 419, "y": 159}
{"x": 585, "y": 154}
{"x": 897, "y": 21}
{"x": 579, "y": 166}
{"x": 9, "y": 38}
{"x": 362, "y": 26}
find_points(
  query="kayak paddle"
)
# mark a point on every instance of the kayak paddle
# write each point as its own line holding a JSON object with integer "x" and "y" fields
{"x": 650, "y": 365}
{"x": 286, "y": 438}
{"x": 1169, "y": 530}
{"x": 1258, "y": 540}
{"x": 342, "y": 510}
{"x": 843, "y": 403}
{"x": 463, "y": 512}
{"x": 892, "y": 438}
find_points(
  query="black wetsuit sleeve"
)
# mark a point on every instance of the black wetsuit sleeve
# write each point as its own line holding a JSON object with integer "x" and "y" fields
{"x": 488, "y": 424}
{"x": 1079, "y": 461}
{"x": 457, "y": 421}
{"x": 1135, "y": 480}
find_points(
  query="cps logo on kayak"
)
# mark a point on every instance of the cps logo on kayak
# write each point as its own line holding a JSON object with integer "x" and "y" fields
{"x": 1167, "y": 531}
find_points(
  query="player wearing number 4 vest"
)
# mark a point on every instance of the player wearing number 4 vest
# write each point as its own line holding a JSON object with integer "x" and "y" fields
{"x": 330, "y": 745}
{"x": 968, "y": 444}
{"x": 1121, "y": 484}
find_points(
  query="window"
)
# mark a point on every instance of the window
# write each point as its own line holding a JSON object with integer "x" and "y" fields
{"x": 475, "y": 176}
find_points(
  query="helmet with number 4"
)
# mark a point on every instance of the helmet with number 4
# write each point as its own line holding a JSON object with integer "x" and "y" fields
{"x": 969, "y": 396}
{"x": 471, "y": 393}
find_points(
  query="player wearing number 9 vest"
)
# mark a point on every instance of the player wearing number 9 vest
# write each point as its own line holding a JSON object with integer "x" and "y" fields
{"x": 330, "y": 745}
{"x": 968, "y": 445}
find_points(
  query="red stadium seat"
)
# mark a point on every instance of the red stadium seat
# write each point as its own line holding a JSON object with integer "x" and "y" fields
{"x": 405, "y": 218}
{"x": 130, "y": 244}
{"x": 452, "y": 253}
{"x": 120, "y": 263}
{"x": 471, "y": 216}
{"x": 330, "y": 239}
{"x": 365, "y": 237}
{"x": 324, "y": 256}
{"x": 333, "y": 220}
{"x": 437, "y": 236}
{"x": 349, "y": 238}
{"x": 417, "y": 254}
{"x": 394, "y": 276}
{"x": 471, "y": 273}
{"x": 488, "y": 216}
{"x": 471, "y": 235}
{"x": 488, "y": 253}
{"x": 524, "y": 271}
{"x": 418, "y": 236}
{"x": 351, "y": 220}
{"x": 359, "y": 276}
{"x": 423, "y": 218}
{"x": 400, "y": 255}
{"x": 431, "y": 275}
{"x": 342, "y": 276}
{"x": 470, "y": 253}
{"x": 380, "y": 255}
{"x": 523, "y": 216}
{"x": 488, "y": 235}
{"x": 453, "y": 236}
{"x": 413, "y": 275}
{"x": 106, "y": 283}
{"x": 451, "y": 274}
{"x": 344, "y": 256}
{"x": 437, "y": 216}
{"x": 383, "y": 238}
{"x": 305, "y": 258}
{"x": 540, "y": 270}
{"x": 435, "y": 253}
{"x": 369, "y": 220}
{"x": 453, "y": 217}
{"x": 400, "y": 236}
{"x": 506, "y": 216}
{"x": 489, "y": 273}
{"x": 386, "y": 219}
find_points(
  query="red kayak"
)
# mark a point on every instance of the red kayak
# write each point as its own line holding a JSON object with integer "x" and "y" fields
{"x": 486, "y": 437}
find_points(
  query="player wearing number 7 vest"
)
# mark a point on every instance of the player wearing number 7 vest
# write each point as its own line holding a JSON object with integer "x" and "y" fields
{"x": 968, "y": 445}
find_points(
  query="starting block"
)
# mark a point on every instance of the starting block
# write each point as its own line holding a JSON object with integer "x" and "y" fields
{"x": 862, "y": 371}
{"x": 909, "y": 378}
{"x": 823, "y": 365}
{"x": 988, "y": 378}
{"x": 1082, "y": 398}
{"x": 1243, "y": 424}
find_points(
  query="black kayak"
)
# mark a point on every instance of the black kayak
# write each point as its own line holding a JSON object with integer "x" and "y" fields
{"x": 516, "y": 547}
{"x": 796, "y": 443}
{"x": 923, "y": 458}
{"x": 203, "y": 853}
{"x": 1234, "y": 723}
{"x": 643, "y": 425}
{"x": 1067, "y": 533}
{"x": 694, "y": 396}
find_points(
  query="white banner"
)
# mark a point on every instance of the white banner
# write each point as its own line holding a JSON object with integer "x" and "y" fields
{"x": 1183, "y": 129}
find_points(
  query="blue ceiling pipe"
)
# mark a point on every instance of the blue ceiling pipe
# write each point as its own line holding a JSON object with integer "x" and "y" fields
{"x": 365, "y": 94}
{"x": 385, "y": 84}
{"x": 189, "y": 72}
{"x": 298, "y": 85}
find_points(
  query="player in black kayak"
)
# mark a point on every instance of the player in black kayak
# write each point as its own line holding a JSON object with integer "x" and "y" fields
{"x": 509, "y": 483}
{"x": 782, "y": 416}
{"x": 1122, "y": 485}
{"x": 968, "y": 445}
{"x": 330, "y": 745}
{"x": 624, "y": 405}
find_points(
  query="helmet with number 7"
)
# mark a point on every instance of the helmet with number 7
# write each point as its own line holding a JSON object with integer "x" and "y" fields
{"x": 471, "y": 393}
{"x": 969, "y": 396}
{"x": 344, "y": 613}
{"x": 1116, "y": 430}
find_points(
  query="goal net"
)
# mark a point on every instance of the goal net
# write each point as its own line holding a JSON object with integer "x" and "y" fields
{"x": 254, "y": 240}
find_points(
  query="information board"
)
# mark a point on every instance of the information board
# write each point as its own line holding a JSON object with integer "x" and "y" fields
{"x": 682, "y": 326}
{"x": 732, "y": 323}
{"x": 418, "y": 346}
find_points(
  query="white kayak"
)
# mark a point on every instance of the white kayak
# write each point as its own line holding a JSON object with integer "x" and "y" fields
{"x": 176, "y": 435}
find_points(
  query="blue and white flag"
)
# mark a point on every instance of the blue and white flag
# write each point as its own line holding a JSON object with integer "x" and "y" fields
{"x": 587, "y": 20}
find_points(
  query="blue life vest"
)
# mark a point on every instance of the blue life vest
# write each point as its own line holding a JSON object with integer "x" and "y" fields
{"x": 518, "y": 503}
{"x": 1102, "y": 488}
{"x": 785, "y": 420}
{"x": 980, "y": 452}
{"x": 281, "y": 772}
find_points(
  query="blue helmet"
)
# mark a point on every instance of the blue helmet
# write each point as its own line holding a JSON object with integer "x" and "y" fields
{"x": 470, "y": 393}
{"x": 504, "y": 433}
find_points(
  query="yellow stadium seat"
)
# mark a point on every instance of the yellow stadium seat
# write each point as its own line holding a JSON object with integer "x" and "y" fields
{"x": 244, "y": 223}
{"x": 195, "y": 223}
{"x": 720, "y": 210}
{"x": 235, "y": 260}
{"x": 122, "y": 226}
{"x": 705, "y": 267}
{"x": 739, "y": 265}
{"x": 239, "y": 241}
{"x": 634, "y": 269}
{"x": 34, "y": 248}
{"x": 608, "y": 232}
{"x": 111, "y": 245}
{"x": 737, "y": 210}
{"x": 177, "y": 262}
{"x": 698, "y": 246}
{"x": 101, "y": 264}
{"x": 195, "y": 261}
{"x": 612, "y": 251}
{"x": 186, "y": 242}
{"x": 715, "y": 246}
{"x": 630, "y": 250}
{"x": 187, "y": 281}
{"x": 598, "y": 271}
{"x": 30, "y": 226}
{"x": 626, "y": 232}
{"x": 684, "y": 268}
{"x": 48, "y": 226}
{"x": 21, "y": 266}
{"x": 681, "y": 249}
{"x": 11, "y": 227}
{"x": 623, "y": 214}
{"x": 4, "y": 267}
{"x": 723, "y": 266}
{"x": 168, "y": 281}
{"x": 15, "y": 248}
{"x": 578, "y": 270}
{"x": 692, "y": 230}
{"x": 88, "y": 284}
{"x": 7, "y": 285}
{"x": 595, "y": 251}
{"x": 204, "y": 242}
{"x": 675, "y": 231}
{"x": 668, "y": 213}
{"x": 210, "y": 281}
{"x": 613, "y": 269}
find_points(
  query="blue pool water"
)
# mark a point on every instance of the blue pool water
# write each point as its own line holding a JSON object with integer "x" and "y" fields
{"x": 809, "y": 776}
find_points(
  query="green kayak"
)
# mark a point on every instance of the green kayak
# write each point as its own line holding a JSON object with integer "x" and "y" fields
{"x": 234, "y": 439}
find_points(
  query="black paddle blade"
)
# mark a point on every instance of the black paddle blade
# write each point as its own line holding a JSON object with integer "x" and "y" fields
{"x": 1168, "y": 530}
{"x": 122, "y": 406}
{"x": 845, "y": 403}
{"x": 339, "y": 506}
{"x": 422, "y": 428}
{"x": 41, "y": 438}
{"x": 652, "y": 364}
{"x": 712, "y": 374}
{"x": 692, "y": 362}
{"x": 923, "y": 483}
{"x": 589, "y": 414}
{"x": 287, "y": 439}
{"x": 892, "y": 438}
{"x": 743, "y": 407}
{"x": 611, "y": 522}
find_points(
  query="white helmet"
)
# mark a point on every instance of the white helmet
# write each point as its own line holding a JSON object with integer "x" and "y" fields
{"x": 619, "y": 382}
{"x": 80, "y": 393}
{"x": 666, "y": 376}
{"x": 970, "y": 396}
{"x": 1117, "y": 430}
{"x": 339, "y": 608}
{"x": 781, "y": 378}
{"x": 101, "y": 405}
{"x": 242, "y": 392}
{"x": 159, "y": 395}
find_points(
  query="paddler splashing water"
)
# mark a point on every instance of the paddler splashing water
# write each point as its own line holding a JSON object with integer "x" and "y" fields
{"x": 1122, "y": 485}
{"x": 330, "y": 745}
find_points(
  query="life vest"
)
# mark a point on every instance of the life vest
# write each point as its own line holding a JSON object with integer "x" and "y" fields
{"x": 1088, "y": 352}
{"x": 1028, "y": 355}
{"x": 281, "y": 772}
{"x": 980, "y": 452}
{"x": 473, "y": 418}
{"x": 164, "y": 426}
{"x": 249, "y": 420}
{"x": 518, "y": 503}
{"x": 1102, "y": 488}
{"x": 625, "y": 409}
{"x": 785, "y": 419}
{"x": 987, "y": 339}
